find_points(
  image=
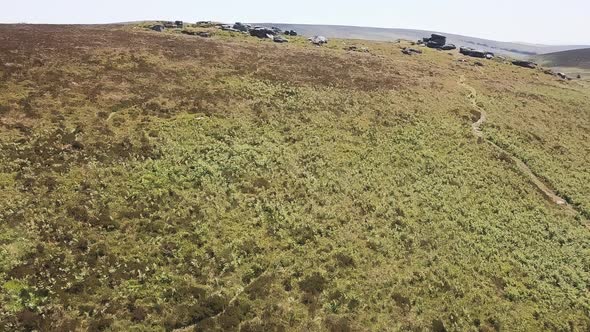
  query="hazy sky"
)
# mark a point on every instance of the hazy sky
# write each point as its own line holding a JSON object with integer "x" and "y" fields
{"x": 534, "y": 21}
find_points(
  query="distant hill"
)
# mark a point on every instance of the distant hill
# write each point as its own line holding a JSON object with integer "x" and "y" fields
{"x": 515, "y": 49}
{"x": 569, "y": 59}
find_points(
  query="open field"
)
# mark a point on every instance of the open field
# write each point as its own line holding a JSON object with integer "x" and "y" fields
{"x": 157, "y": 181}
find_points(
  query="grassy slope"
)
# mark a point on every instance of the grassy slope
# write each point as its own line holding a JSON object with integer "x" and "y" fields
{"x": 573, "y": 59}
{"x": 572, "y": 63}
{"x": 156, "y": 181}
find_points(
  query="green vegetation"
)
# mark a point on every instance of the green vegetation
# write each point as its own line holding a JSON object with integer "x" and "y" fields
{"x": 157, "y": 181}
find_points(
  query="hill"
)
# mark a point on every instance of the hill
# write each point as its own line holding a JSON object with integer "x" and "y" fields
{"x": 572, "y": 62}
{"x": 160, "y": 181}
{"x": 513, "y": 49}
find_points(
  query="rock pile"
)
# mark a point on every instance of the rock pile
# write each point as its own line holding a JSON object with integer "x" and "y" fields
{"x": 437, "y": 41}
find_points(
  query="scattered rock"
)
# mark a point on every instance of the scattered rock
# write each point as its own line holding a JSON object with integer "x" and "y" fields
{"x": 77, "y": 145}
{"x": 290, "y": 32}
{"x": 525, "y": 64}
{"x": 356, "y": 49}
{"x": 579, "y": 77}
{"x": 158, "y": 28}
{"x": 197, "y": 33}
{"x": 241, "y": 27}
{"x": 410, "y": 51}
{"x": 173, "y": 25}
{"x": 438, "y": 38}
{"x": 562, "y": 76}
{"x": 432, "y": 44}
{"x": 468, "y": 51}
{"x": 437, "y": 41}
{"x": 262, "y": 32}
{"x": 478, "y": 54}
{"x": 318, "y": 40}
{"x": 227, "y": 27}
{"x": 449, "y": 47}
{"x": 279, "y": 39}
{"x": 477, "y": 63}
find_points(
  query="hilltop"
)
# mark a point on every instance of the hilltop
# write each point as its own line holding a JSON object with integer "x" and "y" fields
{"x": 513, "y": 49}
{"x": 160, "y": 181}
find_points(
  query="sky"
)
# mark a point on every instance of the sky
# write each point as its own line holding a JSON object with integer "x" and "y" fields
{"x": 532, "y": 21}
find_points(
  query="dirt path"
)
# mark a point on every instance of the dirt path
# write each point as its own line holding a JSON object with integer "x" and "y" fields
{"x": 476, "y": 127}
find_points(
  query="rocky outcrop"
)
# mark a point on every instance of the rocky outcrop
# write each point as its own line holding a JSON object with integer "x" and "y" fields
{"x": 262, "y": 32}
{"x": 525, "y": 64}
{"x": 437, "y": 41}
{"x": 449, "y": 47}
{"x": 242, "y": 27}
{"x": 468, "y": 51}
